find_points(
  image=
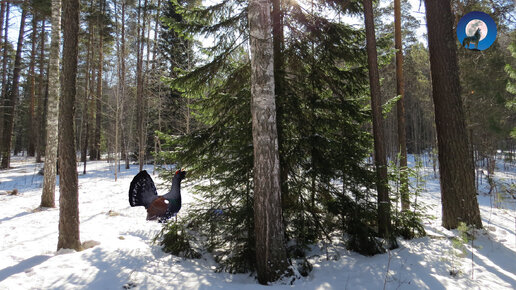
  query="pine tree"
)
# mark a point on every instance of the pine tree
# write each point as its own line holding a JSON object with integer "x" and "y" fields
{"x": 68, "y": 182}
{"x": 32, "y": 88}
{"x": 95, "y": 154}
{"x": 459, "y": 201}
{"x": 384, "y": 223}
{"x": 42, "y": 92}
{"x": 5, "y": 8}
{"x": 140, "y": 103}
{"x": 12, "y": 98}
{"x": 400, "y": 91}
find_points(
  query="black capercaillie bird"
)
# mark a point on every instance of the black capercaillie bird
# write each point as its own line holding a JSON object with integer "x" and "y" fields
{"x": 143, "y": 192}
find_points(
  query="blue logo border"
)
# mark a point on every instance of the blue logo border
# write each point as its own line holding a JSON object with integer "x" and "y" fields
{"x": 491, "y": 29}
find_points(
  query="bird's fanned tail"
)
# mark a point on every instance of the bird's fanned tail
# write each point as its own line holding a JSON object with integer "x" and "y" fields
{"x": 142, "y": 190}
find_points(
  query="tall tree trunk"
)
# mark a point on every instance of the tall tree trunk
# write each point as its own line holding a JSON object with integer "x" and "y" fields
{"x": 156, "y": 35}
{"x": 68, "y": 183}
{"x": 5, "y": 57}
{"x": 384, "y": 220}
{"x": 93, "y": 93}
{"x": 400, "y": 91}
{"x": 11, "y": 100}
{"x": 42, "y": 100}
{"x": 278, "y": 43}
{"x": 87, "y": 94}
{"x": 32, "y": 89}
{"x": 54, "y": 87}
{"x": 155, "y": 77}
{"x": 123, "y": 136}
{"x": 98, "y": 114}
{"x": 120, "y": 87}
{"x": 3, "y": 47}
{"x": 3, "y": 4}
{"x": 140, "y": 83}
{"x": 271, "y": 256}
{"x": 458, "y": 195}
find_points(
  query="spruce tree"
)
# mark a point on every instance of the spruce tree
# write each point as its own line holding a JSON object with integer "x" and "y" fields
{"x": 320, "y": 110}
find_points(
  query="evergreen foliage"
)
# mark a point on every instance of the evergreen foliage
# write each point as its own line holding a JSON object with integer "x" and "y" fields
{"x": 324, "y": 144}
{"x": 220, "y": 150}
{"x": 511, "y": 84}
{"x": 175, "y": 240}
{"x": 409, "y": 223}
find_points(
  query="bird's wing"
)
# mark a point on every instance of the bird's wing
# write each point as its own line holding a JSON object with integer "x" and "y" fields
{"x": 174, "y": 205}
{"x": 142, "y": 190}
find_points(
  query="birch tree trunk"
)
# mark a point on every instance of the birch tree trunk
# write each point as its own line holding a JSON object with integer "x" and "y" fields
{"x": 54, "y": 92}
{"x": 68, "y": 183}
{"x": 458, "y": 194}
{"x": 380, "y": 160}
{"x": 271, "y": 256}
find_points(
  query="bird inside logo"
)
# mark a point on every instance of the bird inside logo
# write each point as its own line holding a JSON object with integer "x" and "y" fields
{"x": 476, "y": 30}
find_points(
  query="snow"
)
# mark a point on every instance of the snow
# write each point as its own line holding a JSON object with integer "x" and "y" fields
{"x": 125, "y": 255}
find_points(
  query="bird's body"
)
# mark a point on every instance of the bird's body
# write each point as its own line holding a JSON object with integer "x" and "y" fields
{"x": 142, "y": 192}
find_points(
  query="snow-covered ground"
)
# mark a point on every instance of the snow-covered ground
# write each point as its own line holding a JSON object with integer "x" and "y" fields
{"x": 127, "y": 257}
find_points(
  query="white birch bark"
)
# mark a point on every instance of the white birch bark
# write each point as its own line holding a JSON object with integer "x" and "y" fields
{"x": 50, "y": 171}
{"x": 271, "y": 258}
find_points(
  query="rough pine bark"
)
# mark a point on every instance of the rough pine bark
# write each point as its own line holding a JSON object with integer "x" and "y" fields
{"x": 98, "y": 114}
{"x": 85, "y": 114}
{"x": 271, "y": 256}
{"x": 384, "y": 220}
{"x": 458, "y": 194}
{"x": 400, "y": 91}
{"x": 50, "y": 170}
{"x": 2, "y": 14}
{"x": 124, "y": 150}
{"x": 4, "y": 54}
{"x": 139, "y": 85}
{"x": 32, "y": 90}
{"x": 42, "y": 100}
{"x": 11, "y": 100}
{"x": 68, "y": 183}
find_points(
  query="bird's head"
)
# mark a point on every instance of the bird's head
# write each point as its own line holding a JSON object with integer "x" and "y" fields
{"x": 180, "y": 174}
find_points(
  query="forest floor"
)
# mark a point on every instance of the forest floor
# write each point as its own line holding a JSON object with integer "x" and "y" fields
{"x": 127, "y": 257}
